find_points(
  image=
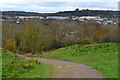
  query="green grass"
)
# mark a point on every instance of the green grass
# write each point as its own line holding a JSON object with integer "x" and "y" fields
{"x": 103, "y": 57}
{"x": 15, "y": 67}
{"x": 0, "y": 64}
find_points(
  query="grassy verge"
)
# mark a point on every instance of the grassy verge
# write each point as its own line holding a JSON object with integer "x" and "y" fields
{"x": 15, "y": 67}
{"x": 103, "y": 57}
{"x": 0, "y": 64}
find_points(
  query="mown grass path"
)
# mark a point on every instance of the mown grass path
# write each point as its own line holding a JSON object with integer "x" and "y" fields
{"x": 65, "y": 69}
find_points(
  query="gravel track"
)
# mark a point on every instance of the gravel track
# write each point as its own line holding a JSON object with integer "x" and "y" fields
{"x": 66, "y": 69}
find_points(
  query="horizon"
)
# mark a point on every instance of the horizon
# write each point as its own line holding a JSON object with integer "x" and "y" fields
{"x": 53, "y": 7}
{"x": 57, "y": 11}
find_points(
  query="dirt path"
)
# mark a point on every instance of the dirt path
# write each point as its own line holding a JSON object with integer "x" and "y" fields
{"x": 65, "y": 69}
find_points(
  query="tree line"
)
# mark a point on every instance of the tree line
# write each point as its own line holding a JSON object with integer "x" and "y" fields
{"x": 35, "y": 37}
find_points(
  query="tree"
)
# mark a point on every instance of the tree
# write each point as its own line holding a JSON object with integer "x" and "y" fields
{"x": 77, "y": 9}
{"x": 31, "y": 41}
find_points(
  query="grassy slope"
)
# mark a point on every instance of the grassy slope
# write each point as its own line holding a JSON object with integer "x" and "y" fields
{"x": 0, "y": 64}
{"x": 103, "y": 57}
{"x": 16, "y": 67}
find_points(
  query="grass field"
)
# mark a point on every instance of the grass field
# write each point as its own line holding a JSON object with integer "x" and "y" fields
{"x": 103, "y": 57}
{"x": 15, "y": 67}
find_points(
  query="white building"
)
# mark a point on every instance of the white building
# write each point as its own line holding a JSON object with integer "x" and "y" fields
{"x": 89, "y": 17}
{"x": 56, "y": 17}
{"x": 29, "y": 17}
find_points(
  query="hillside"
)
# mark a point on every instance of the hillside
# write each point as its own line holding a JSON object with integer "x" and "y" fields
{"x": 102, "y": 13}
{"x": 32, "y": 67}
{"x": 103, "y": 57}
{"x": 15, "y": 67}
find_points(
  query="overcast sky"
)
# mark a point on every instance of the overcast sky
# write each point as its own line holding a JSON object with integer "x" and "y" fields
{"x": 45, "y": 6}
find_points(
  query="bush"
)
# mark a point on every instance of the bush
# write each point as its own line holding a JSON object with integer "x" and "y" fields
{"x": 86, "y": 40}
{"x": 10, "y": 45}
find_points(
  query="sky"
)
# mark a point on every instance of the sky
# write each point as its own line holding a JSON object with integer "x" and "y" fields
{"x": 51, "y": 6}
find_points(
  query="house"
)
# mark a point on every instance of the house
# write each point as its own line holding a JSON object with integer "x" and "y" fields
{"x": 74, "y": 18}
{"x": 81, "y": 20}
{"x": 2, "y": 20}
{"x": 19, "y": 21}
{"x": 108, "y": 22}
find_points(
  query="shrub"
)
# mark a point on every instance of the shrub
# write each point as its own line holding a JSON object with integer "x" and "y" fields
{"x": 10, "y": 45}
{"x": 86, "y": 40}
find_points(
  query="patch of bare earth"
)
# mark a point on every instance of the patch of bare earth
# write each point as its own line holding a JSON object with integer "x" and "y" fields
{"x": 65, "y": 69}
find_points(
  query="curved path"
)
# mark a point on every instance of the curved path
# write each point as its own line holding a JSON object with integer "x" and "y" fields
{"x": 65, "y": 69}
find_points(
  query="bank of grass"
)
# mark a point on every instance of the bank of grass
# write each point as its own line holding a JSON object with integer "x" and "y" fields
{"x": 103, "y": 57}
{"x": 0, "y": 64}
{"x": 15, "y": 67}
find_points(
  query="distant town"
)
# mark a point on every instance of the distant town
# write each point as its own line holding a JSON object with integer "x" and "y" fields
{"x": 101, "y": 17}
{"x": 97, "y": 19}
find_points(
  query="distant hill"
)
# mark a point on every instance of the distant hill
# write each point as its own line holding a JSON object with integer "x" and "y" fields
{"x": 87, "y": 12}
{"x": 22, "y": 13}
